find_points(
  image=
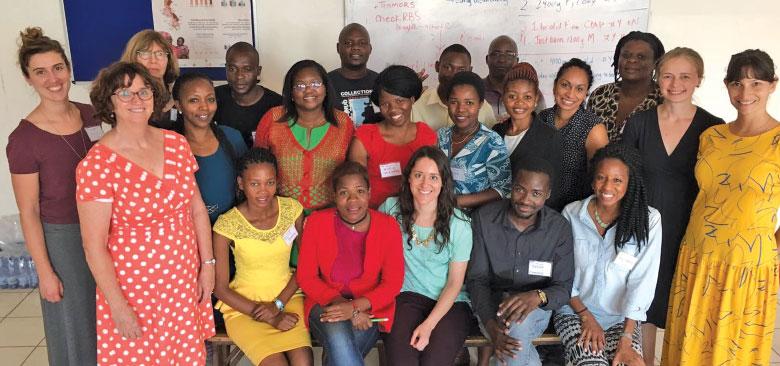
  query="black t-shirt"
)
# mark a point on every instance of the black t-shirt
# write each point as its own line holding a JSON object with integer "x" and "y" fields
{"x": 352, "y": 97}
{"x": 243, "y": 119}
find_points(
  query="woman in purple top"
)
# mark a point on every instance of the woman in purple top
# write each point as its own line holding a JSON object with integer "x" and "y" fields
{"x": 42, "y": 153}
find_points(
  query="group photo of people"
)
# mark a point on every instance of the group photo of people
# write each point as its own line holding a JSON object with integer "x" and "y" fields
{"x": 171, "y": 208}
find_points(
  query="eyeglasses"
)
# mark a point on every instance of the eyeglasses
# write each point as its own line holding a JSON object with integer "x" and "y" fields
{"x": 145, "y": 55}
{"x": 497, "y": 54}
{"x": 301, "y": 86}
{"x": 126, "y": 95}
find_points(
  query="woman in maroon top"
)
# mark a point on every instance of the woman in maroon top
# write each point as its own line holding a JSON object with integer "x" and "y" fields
{"x": 351, "y": 267}
{"x": 42, "y": 153}
{"x": 385, "y": 148}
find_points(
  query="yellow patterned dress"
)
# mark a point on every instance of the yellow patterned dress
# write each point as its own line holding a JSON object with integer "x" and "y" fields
{"x": 262, "y": 272}
{"x": 723, "y": 299}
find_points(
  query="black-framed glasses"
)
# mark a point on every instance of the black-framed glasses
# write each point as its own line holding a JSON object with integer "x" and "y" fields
{"x": 145, "y": 55}
{"x": 126, "y": 95}
{"x": 301, "y": 86}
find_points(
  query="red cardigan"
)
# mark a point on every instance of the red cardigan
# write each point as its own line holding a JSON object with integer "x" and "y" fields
{"x": 383, "y": 266}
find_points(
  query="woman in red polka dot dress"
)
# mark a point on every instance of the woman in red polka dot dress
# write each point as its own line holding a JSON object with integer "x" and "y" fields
{"x": 146, "y": 230}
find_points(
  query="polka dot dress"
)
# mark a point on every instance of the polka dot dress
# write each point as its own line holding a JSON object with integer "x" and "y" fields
{"x": 155, "y": 255}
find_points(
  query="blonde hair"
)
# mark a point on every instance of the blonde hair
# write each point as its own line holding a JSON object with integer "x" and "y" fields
{"x": 686, "y": 52}
{"x": 33, "y": 43}
{"x": 143, "y": 40}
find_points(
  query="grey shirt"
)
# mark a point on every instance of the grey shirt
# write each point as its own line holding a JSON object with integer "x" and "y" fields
{"x": 501, "y": 257}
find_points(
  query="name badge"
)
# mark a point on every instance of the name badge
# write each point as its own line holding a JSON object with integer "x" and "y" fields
{"x": 290, "y": 235}
{"x": 390, "y": 169}
{"x": 538, "y": 268}
{"x": 94, "y": 132}
{"x": 459, "y": 174}
{"x": 625, "y": 261}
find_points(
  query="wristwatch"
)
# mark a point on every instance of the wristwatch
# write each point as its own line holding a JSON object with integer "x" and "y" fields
{"x": 542, "y": 296}
{"x": 279, "y": 304}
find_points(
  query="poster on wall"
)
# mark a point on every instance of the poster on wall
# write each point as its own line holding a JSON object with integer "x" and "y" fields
{"x": 200, "y": 31}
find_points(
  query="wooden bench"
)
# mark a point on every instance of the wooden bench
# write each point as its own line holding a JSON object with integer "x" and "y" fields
{"x": 227, "y": 354}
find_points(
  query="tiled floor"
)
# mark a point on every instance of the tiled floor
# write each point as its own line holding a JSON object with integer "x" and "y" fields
{"x": 22, "y": 341}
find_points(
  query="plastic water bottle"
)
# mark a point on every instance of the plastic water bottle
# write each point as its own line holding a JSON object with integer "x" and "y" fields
{"x": 24, "y": 273}
{"x": 3, "y": 272}
{"x": 33, "y": 273}
{"x": 13, "y": 273}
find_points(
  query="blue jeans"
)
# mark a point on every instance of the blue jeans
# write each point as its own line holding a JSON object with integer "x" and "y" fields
{"x": 344, "y": 345}
{"x": 532, "y": 327}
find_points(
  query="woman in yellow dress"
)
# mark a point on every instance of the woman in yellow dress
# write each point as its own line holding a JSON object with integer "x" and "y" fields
{"x": 262, "y": 309}
{"x": 723, "y": 298}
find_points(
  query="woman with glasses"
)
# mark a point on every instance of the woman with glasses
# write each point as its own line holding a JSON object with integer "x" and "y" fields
{"x": 151, "y": 49}
{"x": 146, "y": 231}
{"x": 307, "y": 134}
{"x": 42, "y": 153}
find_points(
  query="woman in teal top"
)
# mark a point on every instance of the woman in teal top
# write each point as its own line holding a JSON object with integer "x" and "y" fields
{"x": 432, "y": 315}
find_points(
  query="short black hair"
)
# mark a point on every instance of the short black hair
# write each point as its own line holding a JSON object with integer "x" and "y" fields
{"x": 397, "y": 80}
{"x": 242, "y": 47}
{"x": 455, "y": 48}
{"x": 575, "y": 62}
{"x": 346, "y": 168}
{"x": 185, "y": 79}
{"x": 655, "y": 45}
{"x": 466, "y": 78}
{"x": 535, "y": 164}
{"x": 754, "y": 63}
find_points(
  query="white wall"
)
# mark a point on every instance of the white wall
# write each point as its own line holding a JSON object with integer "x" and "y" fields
{"x": 290, "y": 30}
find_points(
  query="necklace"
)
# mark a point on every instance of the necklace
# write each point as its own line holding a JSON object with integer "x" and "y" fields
{"x": 353, "y": 224}
{"x": 423, "y": 242}
{"x": 83, "y": 142}
{"x": 600, "y": 222}
{"x": 466, "y": 137}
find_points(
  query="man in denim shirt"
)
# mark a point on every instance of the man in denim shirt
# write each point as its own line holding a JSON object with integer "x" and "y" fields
{"x": 522, "y": 264}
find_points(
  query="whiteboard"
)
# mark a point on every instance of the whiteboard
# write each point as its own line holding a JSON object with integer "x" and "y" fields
{"x": 547, "y": 32}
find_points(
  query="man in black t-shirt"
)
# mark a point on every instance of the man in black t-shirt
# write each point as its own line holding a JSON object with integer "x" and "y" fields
{"x": 243, "y": 101}
{"x": 353, "y": 81}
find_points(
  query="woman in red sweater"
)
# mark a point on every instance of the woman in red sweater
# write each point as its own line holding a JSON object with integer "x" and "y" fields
{"x": 351, "y": 268}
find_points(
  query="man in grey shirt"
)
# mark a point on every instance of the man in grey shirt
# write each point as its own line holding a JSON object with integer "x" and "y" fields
{"x": 522, "y": 264}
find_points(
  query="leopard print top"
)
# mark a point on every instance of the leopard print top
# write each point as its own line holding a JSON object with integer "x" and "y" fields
{"x": 603, "y": 102}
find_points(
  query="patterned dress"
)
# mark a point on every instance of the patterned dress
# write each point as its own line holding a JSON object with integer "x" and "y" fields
{"x": 304, "y": 174}
{"x": 481, "y": 164}
{"x": 152, "y": 243}
{"x": 603, "y": 102}
{"x": 723, "y": 298}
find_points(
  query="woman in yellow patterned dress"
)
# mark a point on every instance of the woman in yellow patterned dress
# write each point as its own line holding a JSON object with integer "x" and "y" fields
{"x": 723, "y": 298}
{"x": 262, "y": 309}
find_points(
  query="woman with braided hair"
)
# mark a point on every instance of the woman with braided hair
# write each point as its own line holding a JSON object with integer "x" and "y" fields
{"x": 617, "y": 250}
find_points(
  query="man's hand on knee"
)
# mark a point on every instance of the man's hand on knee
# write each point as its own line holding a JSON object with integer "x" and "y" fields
{"x": 504, "y": 346}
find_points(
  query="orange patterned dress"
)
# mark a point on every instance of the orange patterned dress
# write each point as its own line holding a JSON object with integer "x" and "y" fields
{"x": 152, "y": 243}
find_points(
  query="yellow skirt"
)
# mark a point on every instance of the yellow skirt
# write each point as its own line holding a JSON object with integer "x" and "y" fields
{"x": 720, "y": 314}
{"x": 259, "y": 340}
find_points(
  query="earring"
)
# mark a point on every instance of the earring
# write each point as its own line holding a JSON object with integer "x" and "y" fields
{"x": 112, "y": 115}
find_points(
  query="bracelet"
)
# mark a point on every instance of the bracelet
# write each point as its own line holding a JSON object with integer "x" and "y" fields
{"x": 210, "y": 262}
{"x": 279, "y": 304}
{"x": 355, "y": 310}
{"x": 581, "y": 311}
{"x": 628, "y": 335}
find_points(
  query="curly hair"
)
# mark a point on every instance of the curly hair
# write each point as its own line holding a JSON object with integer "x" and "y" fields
{"x": 445, "y": 203}
{"x": 143, "y": 40}
{"x": 256, "y": 155}
{"x": 290, "y": 109}
{"x": 348, "y": 168}
{"x": 467, "y": 78}
{"x": 633, "y": 221}
{"x": 119, "y": 75}
{"x": 33, "y": 43}
{"x": 655, "y": 45}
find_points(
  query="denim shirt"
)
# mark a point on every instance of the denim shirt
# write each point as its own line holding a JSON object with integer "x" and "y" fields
{"x": 612, "y": 288}
{"x": 481, "y": 164}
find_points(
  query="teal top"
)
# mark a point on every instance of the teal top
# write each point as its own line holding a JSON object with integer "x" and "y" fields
{"x": 425, "y": 268}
